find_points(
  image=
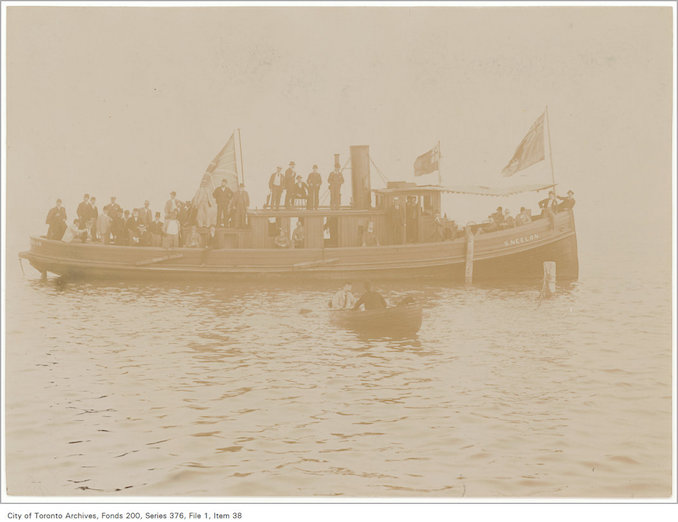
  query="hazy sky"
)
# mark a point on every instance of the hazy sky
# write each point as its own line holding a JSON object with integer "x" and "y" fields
{"x": 135, "y": 102}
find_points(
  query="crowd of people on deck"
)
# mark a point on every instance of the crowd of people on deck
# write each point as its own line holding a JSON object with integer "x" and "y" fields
{"x": 300, "y": 193}
{"x": 186, "y": 224}
{"x": 183, "y": 223}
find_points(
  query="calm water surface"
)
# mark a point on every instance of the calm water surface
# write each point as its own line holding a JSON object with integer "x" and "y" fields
{"x": 232, "y": 390}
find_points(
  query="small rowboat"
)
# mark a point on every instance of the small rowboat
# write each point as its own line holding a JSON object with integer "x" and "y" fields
{"x": 396, "y": 321}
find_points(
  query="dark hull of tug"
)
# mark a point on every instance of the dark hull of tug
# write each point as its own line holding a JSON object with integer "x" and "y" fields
{"x": 509, "y": 255}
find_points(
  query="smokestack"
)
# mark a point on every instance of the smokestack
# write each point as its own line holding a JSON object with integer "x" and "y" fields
{"x": 360, "y": 177}
{"x": 337, "y": 163}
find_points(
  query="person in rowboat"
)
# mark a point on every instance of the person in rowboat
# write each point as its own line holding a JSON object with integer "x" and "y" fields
{"x": 370, "y": 300}
{"x": 344, "y": 298}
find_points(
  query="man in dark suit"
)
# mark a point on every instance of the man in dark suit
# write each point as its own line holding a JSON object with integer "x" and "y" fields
{"x": 412, "y": 213}
{"x": 566, "y": 202}
{"x": 239, "y": 205}
{"x": 93, "y": 217}
{"x": 133, "y": 227}
{"x": 84, "y": 211}
{"x": 395, "y": 217}
{"x": 335, "y": 180}
{"x": 222, "y": 196}
{"x": 146, "y": 214}
{"x": 56, "y": 219}
{"x": 276, "y": 184}
{"x": 290, "y": 185}
{"x": 314, "y": 181}
{"x": 157, "y": 229}
{"x": 112, "y": 209}
{"x": 549, "y": 203}
{"x": 549, "y": 207}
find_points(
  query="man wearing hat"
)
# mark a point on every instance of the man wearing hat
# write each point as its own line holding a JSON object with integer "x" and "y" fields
{"x": 56, "y": 219}
{"x": 290, "y": 185}
{"x": 300, "y": 189}
{"x": 335, "y": 180}
{"x": 498, "y": 217}
{"x": 313, "y": 181}
{"x": 84, "y": 211}
{"x": 171, "y": 204}
{"x": 112, "y": 208}
{"x": 239, "y": 204}
{"x": 222, "y": 195}
{"x": 566, "y": 202}
{"x": 146, "y": 214}
{"x": 275, "y": 184}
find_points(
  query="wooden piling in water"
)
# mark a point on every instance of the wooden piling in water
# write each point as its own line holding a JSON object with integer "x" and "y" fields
{"x": 468, "y": 272}
{"x": 549, "y": 287}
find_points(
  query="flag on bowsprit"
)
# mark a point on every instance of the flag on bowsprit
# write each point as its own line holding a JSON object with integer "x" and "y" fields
{"x": 427, "y": 162}
{"x": 530, "y": 150}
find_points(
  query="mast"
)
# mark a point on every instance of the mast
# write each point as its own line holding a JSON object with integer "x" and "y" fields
{"x": 242, "y": 168}
{"x": 440, "y": 178}
{"x": 548, "y": 130}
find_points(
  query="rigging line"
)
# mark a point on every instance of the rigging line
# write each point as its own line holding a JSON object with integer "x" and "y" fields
{"x": 381, "y": 175}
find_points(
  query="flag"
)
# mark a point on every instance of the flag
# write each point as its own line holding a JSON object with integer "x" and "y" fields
{"x": 427, "y": 162}
{"x": 530, "y": 150}
{"x": 224, "y": 166}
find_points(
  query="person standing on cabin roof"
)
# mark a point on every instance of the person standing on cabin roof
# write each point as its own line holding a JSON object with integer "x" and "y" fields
{"x": 290, "y": 185}
{"x": 276, "y": 184}
{"x": 343, "y": 298}
{"x": 240, "y": 204}
{"x": 171, "y": 204}
{"x": 222, "y": 195}
{"x": 335, "y": 180}
{"x": 56, "y": 219}
{"x": 300, "y": 190}
{"x": 371, "y": 300}
{"x": 313, "y": 181}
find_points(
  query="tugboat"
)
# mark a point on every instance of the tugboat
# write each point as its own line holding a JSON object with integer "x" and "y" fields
{"x": 334, "y": 244}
